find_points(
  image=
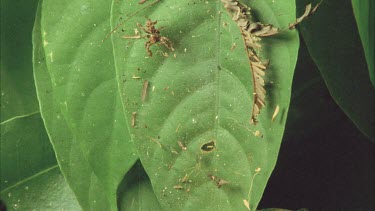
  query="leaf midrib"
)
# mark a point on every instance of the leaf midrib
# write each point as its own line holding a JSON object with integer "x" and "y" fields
{"x": 218, "y": 68}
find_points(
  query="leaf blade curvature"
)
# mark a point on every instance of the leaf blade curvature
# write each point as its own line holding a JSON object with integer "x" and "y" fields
{"x": 192, "y": 131}
{"x": 79, "y": 100}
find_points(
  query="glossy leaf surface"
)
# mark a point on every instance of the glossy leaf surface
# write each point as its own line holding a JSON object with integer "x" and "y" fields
{"x": 30, "y": 176}
{"x": 200, "y": 97}
{"x": 336, "y": 48}
{"x": 76, "y": 87}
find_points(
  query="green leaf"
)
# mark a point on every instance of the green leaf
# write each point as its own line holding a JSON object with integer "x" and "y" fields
{"x": 135, "y": 191}
{"x": 46, "y": 190}
{"x": 18, "y": 95}
{"x": 25, "y": 149}
{"x": 30, "y": 177}
{"x": 364, "y": 14}
{"x": 79, "y": 101}
{"x": 335, "y": 46}
{"x": 202, "y": 98}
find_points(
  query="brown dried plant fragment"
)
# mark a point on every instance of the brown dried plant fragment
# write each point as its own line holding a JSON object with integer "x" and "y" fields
{"x": 144, "y": 90}
{"x": 142, "y": 1}
{"x": 184, "y": 179}
{"x": 247, "y": 204}
{"x": 277, "y": 109}
{"x": 252, "y": 32}
{"x": 178, "y": 187}
{"x": 156, "y": 141}
{"x": 181, "y": 145}
{"x": 178, "y": 127}
{"x": 219, "y": 182}
{"x": 134, "y": 115}
{"x": 234, "y": 45}
{"x": 135, "y": 36}
{"x": 309, "y": 10}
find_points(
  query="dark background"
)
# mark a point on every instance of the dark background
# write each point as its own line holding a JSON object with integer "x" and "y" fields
{"x": 325, "y": 162}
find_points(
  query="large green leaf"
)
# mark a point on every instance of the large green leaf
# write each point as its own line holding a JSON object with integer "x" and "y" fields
{"x": 333, "y": 41}
{"x": 18, "y": 95}
{"x": 30, "y": 177}
{"x": 79, "y": 101}
{"x": 364, "y": 14}
{"x": 202, "y": 96}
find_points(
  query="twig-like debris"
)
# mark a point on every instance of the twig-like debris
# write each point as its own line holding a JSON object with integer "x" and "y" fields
{"x": 178, "y": 187}
{"x": 135, "y": 36}
{"x": 134, "y": 115}
{"x": 277, "y": 109}
{"x": 184, "y": 179}
{"x": 156, "y": 141}
{"x": 178, "y": 127}
{"x": 144, "y": 90}
{"x": 247, "y": 202}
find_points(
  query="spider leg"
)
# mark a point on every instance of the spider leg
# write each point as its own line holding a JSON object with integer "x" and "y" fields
{"x": 167, "y": 43}
{"x": 141, "y": 27}
{"x": 148, "y": 44}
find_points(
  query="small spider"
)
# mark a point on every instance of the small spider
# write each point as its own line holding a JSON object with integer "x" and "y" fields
{"x": 153, "y": 36}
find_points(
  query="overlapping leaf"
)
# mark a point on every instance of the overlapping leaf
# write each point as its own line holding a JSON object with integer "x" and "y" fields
{"x": 18, "y": 95}
{"x": 79, "y": 101}
{"x": 364, "y": 14}
{"x": 333, "y": 41}
{"x": 30, "y": 176}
